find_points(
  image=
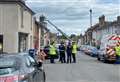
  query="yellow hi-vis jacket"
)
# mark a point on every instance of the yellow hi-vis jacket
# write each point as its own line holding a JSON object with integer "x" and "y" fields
{"x": 117, "y": 49}
{"x": 52, "y": 50}
{"x": 74, "y": 48}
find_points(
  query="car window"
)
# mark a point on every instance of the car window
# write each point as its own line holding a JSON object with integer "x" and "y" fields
{"x": 8, "y": 70}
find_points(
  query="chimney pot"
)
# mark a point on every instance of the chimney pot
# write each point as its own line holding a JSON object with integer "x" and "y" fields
{"x": 102, "y": 20}
{"x": 118, "y": 18}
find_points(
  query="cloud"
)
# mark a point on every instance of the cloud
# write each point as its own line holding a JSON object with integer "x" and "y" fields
{"x": 74, "y": 14}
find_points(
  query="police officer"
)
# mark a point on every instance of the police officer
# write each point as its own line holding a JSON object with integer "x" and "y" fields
{"x": 74, "y": 51}
{"x": 62, "y": 53}
{"x": 69, "y": 52}
{"x": 52, "y": 52}
{"x": 117, "y": 49}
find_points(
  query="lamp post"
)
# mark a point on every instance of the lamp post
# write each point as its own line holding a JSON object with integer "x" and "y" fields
{"x": 90, "y": 33}
{"x": 90, "y": 17}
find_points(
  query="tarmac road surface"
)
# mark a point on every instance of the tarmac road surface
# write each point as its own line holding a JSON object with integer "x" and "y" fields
{"x": 87, "y": 69}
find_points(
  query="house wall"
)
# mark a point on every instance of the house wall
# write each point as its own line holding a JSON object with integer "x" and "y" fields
{"x": 11, "y": 23}
{"x": 26, "y": 24}
{"x": 8, "y": 26}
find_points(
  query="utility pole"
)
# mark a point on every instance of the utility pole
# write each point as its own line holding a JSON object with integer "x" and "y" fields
{"x": 90, "y": 33}
{"x": 90, "y": 17}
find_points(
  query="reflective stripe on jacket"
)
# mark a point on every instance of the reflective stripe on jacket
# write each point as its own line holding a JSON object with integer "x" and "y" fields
{"x": 74, "y": 48}
{"x": 52, "y": 50}
{"x": 117, "y": 49}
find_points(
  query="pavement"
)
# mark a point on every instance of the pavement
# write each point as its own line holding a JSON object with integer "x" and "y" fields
{"x": 87, "y": 69}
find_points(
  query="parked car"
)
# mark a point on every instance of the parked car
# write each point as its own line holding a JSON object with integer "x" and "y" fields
{"x": 87, "y": 50}
{"x": 20, "y": 68}
{"x": 90, "y": 50}
{"x": 93, "y": 51}
{"x": 83, "y": 47}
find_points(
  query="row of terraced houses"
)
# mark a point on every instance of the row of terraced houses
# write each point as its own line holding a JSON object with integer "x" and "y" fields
{"x": 94, "y": 34}
{"x": 19, "y": 30}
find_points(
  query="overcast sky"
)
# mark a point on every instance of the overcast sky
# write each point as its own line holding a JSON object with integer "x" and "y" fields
{"x": 72, "y": 16}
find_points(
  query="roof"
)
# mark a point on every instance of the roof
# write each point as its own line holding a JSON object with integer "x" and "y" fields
{"x": 105, "y": 25}
{"x": 20, "y": 2}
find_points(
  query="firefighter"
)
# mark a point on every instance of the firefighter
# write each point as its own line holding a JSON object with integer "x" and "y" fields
{"x": 62, "y": 53}
{"x": 52, "y": 52}
{"x": 117, "y": 50}
{"x": 74, "y": 51}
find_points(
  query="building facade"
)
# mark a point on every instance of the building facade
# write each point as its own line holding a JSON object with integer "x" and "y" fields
{"x": 105, "y": 28}
{"x": 16, "y": 26}
{"x": 94, "y": 34}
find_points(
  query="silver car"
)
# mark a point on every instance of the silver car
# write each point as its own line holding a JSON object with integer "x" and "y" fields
{"x": 20, "y": 68}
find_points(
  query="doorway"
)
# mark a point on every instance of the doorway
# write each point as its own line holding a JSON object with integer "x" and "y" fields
{"x": 1, "y": 43}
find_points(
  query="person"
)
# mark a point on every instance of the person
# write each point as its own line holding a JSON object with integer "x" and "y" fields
{"x": 52, "y": 52}
{"x": 117, "y": 50}
{"x": 62, "y": 53}
{"x": 46, "y": 50}
{"x": 74, "y": 51}
{"x": 41, "y": 55}
{"x": 69, "y": 52}
{"x": 32, "y": 53}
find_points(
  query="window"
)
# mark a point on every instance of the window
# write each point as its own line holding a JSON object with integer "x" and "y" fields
{"x": 21, "y": 9}
{"x": 23, "y": 41}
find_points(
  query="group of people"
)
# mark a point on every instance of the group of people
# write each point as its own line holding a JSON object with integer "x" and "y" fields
{"x": 61, "y": 52}
{"x": 70, "y": 49}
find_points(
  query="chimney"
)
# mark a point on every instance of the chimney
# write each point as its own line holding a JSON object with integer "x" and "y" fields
{"x": 118, "y": 18}
{"x": 102, "y": 20}
{"x": 42, "y": 18}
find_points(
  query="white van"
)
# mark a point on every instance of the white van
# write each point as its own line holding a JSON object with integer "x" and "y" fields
{"x": 107, "y": 52}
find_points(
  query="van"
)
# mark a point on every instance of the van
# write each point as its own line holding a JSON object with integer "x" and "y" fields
{"x": 107, "y": 51}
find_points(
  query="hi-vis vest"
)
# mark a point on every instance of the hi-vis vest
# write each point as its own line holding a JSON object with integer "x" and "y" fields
{"x": 117, "y": 49}
{"x": 52, "y": 50}
{"x": 74, "y": 49}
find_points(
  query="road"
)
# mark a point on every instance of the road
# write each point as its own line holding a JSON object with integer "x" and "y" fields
{"x": 87, "y": 69}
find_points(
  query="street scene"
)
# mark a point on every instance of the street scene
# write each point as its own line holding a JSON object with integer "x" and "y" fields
{"x": 87, "y": 69}
{"x": 60, "y": 41}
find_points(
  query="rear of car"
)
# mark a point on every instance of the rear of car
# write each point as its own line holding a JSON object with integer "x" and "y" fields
{"x": 9, "y": 70}
{"x": 20, "y": 68}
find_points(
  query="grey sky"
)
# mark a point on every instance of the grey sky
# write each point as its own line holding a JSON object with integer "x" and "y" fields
{"x": 72, "y": 16}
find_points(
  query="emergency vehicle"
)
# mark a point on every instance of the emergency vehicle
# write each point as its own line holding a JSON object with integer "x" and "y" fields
{"x": 107, "y": 51}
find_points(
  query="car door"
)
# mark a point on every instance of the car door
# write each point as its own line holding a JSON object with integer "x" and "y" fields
{"x": 38, "y": 73}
